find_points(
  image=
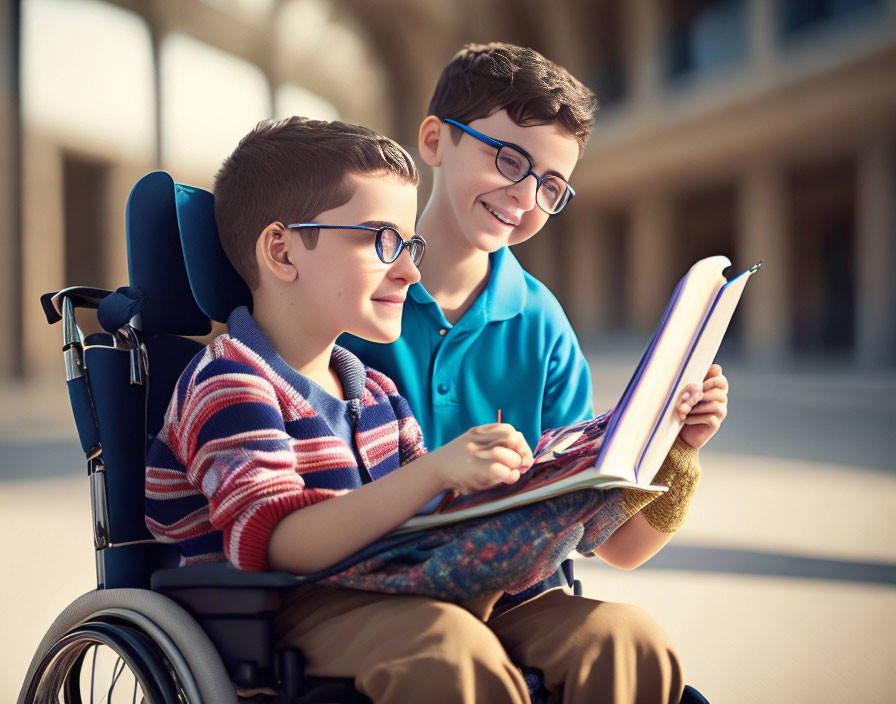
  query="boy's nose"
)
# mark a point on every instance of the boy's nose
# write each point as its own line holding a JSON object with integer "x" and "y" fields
{"x": 404, "y": 268}
{"x": 524, "y": 192}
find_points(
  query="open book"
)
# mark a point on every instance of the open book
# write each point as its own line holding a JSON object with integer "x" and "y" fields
{"x": 625, "y": 446}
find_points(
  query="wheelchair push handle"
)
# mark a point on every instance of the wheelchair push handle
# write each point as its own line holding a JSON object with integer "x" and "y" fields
{"x": 80, "y": 296}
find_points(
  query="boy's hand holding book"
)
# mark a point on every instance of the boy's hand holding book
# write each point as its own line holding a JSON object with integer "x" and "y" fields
{"x": 483, "y": 457}
{"x": 704, "y": 409}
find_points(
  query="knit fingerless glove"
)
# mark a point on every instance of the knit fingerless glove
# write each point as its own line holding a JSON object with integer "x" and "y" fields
{"x": 680, "y": 472}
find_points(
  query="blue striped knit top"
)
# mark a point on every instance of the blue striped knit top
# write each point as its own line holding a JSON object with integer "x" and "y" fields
{"x": 241, "y": 446}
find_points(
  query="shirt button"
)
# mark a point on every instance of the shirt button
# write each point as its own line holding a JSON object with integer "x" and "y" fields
{"x": 442, "y": 388}
{"x": 443, "y": 331}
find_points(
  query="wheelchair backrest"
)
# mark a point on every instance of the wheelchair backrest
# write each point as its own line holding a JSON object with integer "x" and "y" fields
{"x": 121, "y": 381}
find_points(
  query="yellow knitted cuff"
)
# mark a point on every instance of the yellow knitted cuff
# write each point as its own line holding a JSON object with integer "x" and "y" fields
{"x": 680, "y": 472}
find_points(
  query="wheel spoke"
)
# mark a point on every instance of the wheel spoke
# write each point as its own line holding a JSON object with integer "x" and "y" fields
{"x": 116, "y": 673}
{"x": 118, "y": 653}
{"x": 93, "y": 671}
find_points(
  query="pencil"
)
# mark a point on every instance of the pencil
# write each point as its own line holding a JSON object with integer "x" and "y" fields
{"x": 499, "y": 415}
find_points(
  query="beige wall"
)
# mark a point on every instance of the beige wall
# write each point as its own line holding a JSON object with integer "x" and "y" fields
{"x": 830, "y": 96}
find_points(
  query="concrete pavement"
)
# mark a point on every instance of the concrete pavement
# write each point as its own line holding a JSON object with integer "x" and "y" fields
{"x": 780, "y": 587}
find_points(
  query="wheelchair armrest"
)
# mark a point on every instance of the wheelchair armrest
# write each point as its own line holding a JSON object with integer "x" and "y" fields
{"x": 222, "y": 575}
{"x": 80, "y": 296}
{"x": 236, "y": 609}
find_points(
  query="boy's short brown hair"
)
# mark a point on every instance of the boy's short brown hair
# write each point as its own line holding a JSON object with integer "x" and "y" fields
{"x": 484, "y": 78}
{"x": 292, "y": 170}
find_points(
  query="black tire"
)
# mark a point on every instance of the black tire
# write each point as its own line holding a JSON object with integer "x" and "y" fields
{"x": 140, "y": 672}
{"x": 147, "y": 643}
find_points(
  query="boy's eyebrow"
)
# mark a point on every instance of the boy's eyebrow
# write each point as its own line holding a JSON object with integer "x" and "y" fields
{"x": 381, "y": 223}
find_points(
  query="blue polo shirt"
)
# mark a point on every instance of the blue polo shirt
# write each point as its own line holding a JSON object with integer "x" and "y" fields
{"x": 513, "y": 350}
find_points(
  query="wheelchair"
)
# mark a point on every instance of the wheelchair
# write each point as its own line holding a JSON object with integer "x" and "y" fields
{"x": 152, "y": 631}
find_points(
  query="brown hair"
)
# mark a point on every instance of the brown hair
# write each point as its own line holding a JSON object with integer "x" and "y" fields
{"x": 482, "y": 79}
{"x": 292, "y": 170}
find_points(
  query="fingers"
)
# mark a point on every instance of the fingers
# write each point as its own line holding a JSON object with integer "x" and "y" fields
{"x": 716, "y": 382}
{"x": 711, "y": 419}
{"x": 691, "y": 395}
{"x": 510, "y": 459}
{"x": 504, "y": 435}
{"x": 710, "y": 407}
{"x": 695, "y": 398}
{"x": 715, "y": 370}
{"x": 504, "y": 467}
{"x": 491, "y": 428}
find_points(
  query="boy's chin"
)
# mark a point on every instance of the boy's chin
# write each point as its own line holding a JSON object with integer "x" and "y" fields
{"x": 490, "y": 242}
{"x": 383, "y": 337}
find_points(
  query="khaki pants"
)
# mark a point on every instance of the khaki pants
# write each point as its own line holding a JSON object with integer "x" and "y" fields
{"x": 403, "y": 649}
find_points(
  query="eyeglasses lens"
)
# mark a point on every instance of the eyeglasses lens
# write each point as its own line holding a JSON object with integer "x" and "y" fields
{"x": 416, "y": 247}
{"x": 552, "y": 194}
{"x": 512, "y": 163}
{"x": 390, "y": 244}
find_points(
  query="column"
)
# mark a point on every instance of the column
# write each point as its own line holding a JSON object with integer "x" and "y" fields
{"x": 587, "y": 270}
{"x": 763, "y": 234}
{"x": 650, "y": 275}
{"x": 642, "y": 23}
{"x": 43, "y": 253}
{"x": 11, "y": 351}
{"x": 876, "y": 251}
{"x": 762, "y": 33}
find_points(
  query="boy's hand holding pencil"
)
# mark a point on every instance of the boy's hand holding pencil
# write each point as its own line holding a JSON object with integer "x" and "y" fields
{"x": 483, "y": 457}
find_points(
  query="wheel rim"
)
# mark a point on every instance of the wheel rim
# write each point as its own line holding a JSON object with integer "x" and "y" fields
{"x": 104, "y": 663}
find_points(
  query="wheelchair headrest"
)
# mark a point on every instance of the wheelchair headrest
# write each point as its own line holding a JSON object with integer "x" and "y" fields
{"x": 216, "y": 286}
{"x": 175, "y": 258}
{"x": 155, "y": 260}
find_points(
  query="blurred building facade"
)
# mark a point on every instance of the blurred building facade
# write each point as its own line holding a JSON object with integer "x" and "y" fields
{"x": 757, "y": 129}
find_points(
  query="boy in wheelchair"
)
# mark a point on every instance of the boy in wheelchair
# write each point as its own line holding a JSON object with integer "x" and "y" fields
{"x": 280, "y": 450}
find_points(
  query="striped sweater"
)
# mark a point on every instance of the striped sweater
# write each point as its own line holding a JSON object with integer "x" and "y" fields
{"x": 241, "y": 447}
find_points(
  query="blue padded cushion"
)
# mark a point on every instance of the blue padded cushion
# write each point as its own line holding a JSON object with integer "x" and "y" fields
{"x": 216, "y": 286}
{"x": 82, "y": 408}
{"x": 116, "y": 309}
{"x": 169, "y": 356}
{"x": 155, "y": 260}
{"x": 119, "y": 408}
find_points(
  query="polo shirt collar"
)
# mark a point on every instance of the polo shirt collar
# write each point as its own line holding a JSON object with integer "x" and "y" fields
{"x": 504, "y": 295}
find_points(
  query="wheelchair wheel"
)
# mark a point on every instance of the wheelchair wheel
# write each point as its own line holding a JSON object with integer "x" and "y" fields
{"x": 126, "y": 645}
{"x": 104, "y": 661}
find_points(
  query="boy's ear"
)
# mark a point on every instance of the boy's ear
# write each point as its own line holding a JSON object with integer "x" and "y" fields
{"x": 429, "y": 140}
{"x": 272, "y": 252}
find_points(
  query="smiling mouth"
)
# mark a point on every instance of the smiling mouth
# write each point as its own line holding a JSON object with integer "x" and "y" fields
{"x": 502, "y": 218}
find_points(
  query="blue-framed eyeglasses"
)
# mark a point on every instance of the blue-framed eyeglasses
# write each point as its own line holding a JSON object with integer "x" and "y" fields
{"x": 552, "y": 192}
{"x": 389, "y": 244}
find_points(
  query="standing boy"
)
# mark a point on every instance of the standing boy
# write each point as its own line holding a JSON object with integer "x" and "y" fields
{"x": 504, "y": 132}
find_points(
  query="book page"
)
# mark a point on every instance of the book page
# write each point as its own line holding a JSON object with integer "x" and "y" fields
{"x": 700, "y": 357}
{"x": 646, "y": 398}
